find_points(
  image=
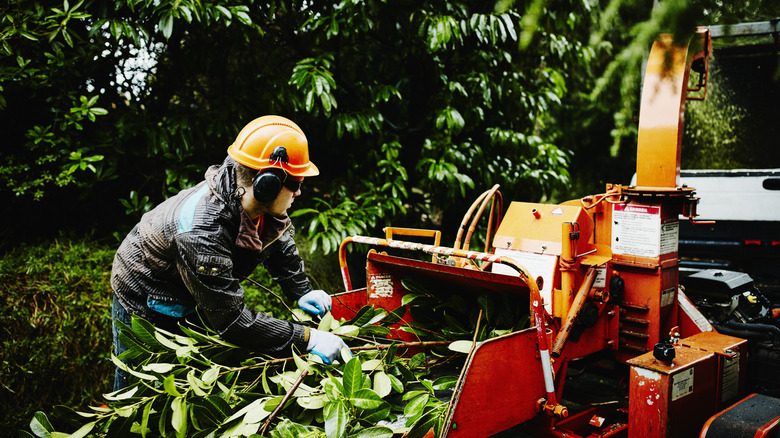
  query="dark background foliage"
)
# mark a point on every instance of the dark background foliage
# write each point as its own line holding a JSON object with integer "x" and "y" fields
{"x": 411, "y": 108}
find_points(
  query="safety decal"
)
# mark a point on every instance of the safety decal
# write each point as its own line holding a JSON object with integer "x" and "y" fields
{"x": 670, "y": 236}
{"x": 380, "y": 286}
{"x": 730, "y": 387}
{"x": 667, "y": 297}
{"x": 682, "y": 384}
{"x": 636, "y": 230}
{"x": 538, "y": 265}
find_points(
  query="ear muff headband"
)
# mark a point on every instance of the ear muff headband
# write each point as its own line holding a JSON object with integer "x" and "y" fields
{"x": 267, "y": 184}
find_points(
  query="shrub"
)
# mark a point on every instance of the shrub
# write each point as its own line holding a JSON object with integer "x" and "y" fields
{"x": 56, "y": 327}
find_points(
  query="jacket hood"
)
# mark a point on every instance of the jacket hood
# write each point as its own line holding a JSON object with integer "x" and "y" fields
{"x": 221, "y": 179}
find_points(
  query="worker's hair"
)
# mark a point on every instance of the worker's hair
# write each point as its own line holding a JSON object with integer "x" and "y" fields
{"x": 244, "y": 175}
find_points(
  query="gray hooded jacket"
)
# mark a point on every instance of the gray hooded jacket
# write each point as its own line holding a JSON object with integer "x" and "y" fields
{"x": 191, "y": 250}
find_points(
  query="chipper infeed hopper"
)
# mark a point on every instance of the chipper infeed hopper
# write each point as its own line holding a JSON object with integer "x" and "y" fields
{"x": 595, "y": 277}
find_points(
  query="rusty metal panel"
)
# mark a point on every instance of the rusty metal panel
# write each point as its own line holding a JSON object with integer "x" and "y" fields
{"x": 675, "y": 399}
{"x": 671, "y": 401}
{"x": 731, "y": 356}
{"x": 647, "y": 308}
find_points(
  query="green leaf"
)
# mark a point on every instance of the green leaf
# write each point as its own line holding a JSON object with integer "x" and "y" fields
{"x": 376, "y": 415}
{"x": 362, "y": 316}
{"x": 166, "y": 25}
{"x": 445, "y": 382}
{"x": 325, "y": 323}
{"x": 258, "y": 404}
{"x": 301, "y": 364}
{"x": 336, "y": 421}
{"x": 371, "y": 365}
{"x": 374, "y": 432}
{"x": 225, "y": 11}
{"x": 133, "y": 372}
{"x": 161, "y": 368}
{"x": 375, "y": 330}
{"x": 409, "y": 298}
{"x": 416, "y": 405}
{"x": 366, "y": 399}
{"x": 396, "y": 383}
{"x": 353, "y": 377}
{"x": 426, "y": 423}
{"x": 417, "y": 360}
{"x": 313, "y": 402}
{"x": 210, "y": 411}
{"x": 145, "y": 419}
{"x": 210, "y": 375}
{"x": 121, "y": 394}
{"x": 83, "y": 430}
{"x": 394, "y": 316}
{"x": 461, "y": 346}
{"x": 170, "y": 386}
{"x": 145, "y": 331}
{"x": 167, "y": 343}
{"x": 382, "y": 384}
{"x": 347, "y": 330}
{"x": 196, "y": 384}
{"x": 179, "y": 415}
{"x": 40, "y": 425}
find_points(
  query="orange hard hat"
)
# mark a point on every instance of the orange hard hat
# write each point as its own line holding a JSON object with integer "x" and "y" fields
{"x": 273, "y": 142}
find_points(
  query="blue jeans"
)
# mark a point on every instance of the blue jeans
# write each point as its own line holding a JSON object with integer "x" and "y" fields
{"x": 119, "y": 313}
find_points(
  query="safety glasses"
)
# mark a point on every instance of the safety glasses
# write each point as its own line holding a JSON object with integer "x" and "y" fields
{"x": 292, "y": 184}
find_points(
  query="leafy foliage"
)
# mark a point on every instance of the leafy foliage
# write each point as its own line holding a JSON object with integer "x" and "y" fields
{"x": 410, "y": 107}
{"x": 56, "y": 326}
{"x": 56, "y": 330}
{"x": 196, "y": 384}
{"x": 130, "y": 98}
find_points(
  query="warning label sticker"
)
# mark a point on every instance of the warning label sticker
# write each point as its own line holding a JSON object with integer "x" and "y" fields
{"x": 636, "y": 230}
{"x": 682, "y": 384}
{"x": 730, "y": 387}
{"x": 537, "y": 265}
{"x": 601, "y": 278}
{"x": 380, "y": 286}
{"x": 670, "y": 236}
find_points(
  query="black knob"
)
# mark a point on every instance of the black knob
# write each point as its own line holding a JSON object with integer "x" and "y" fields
{"x": 664, "y": 351}
{"x": 616, "y": 287}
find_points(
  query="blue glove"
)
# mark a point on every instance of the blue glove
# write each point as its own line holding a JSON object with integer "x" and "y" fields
{"x": 325, "y": 345}
{"x": 316, "y": 302}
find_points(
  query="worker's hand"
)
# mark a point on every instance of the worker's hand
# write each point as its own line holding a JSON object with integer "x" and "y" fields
{"x": 316, "y": 302}
{"x": 325, "y": 345}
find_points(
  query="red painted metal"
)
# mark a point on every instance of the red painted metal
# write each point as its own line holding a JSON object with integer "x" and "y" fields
{"x": 501, "y": 387}
{"x": 347, "y": 304}
{"x": 537, "y": 310}
{"x": 670, "y": 400}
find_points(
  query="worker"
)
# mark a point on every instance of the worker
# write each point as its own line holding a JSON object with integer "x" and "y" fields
{"x": 190, "y": 252}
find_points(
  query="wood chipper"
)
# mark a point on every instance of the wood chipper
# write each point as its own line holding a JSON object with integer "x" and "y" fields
{"x": 599, "y": 277}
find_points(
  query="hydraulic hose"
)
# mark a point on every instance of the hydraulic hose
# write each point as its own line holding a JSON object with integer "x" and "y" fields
{"x": 744, "y": 334}
{"x": 765, "y": 328}
{"x": 537, "y": 307}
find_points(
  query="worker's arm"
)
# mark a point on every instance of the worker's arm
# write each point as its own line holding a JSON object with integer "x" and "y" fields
{"x": 286, "y": 267}
{"x": 206, "y": 268}
{"x": 284, "y": 263}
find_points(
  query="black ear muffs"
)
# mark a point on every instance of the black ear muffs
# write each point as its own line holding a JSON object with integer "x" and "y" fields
{"x": 267, "y": 184}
